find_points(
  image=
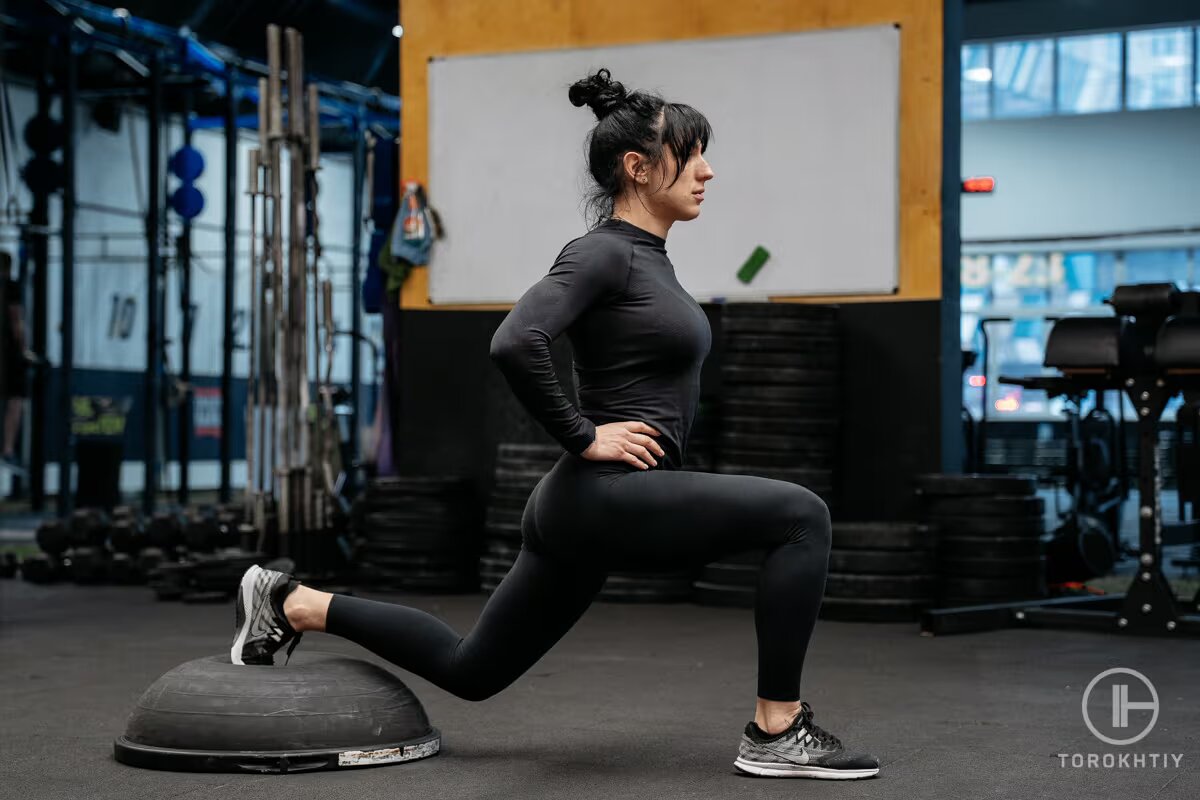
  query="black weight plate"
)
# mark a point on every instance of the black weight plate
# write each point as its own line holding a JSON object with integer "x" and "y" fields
{"x": 737, "y": 326}
{"x": 954, "y": 546}
{"x": 987, "y": 485}
{"x": 624, "y": 594}
{"x": 882, "y": 562}
{"x": 123, "y": 570}
{"x": 780, "y": 343}
{"x": 804, "y": 476}
{"x": 731, "y": 574}
{"x": 795, "y": 376}
{"x": 812, "y": 460}
{"x": 992, "y": 567}
{"x": 883, "y": 536}
{"x": 754, "y": 556}
{"x": 441, "y": 518}
{"x": 848, "y": 609}
{"x": 87, "y": 565}
{"x": 1013, "y": 586}
{"x": 778, "y": 442}
{"x": 987, "y": 506}
{"x": 989, "y": 526}
{"x": 396, "y": 559}
{"x": 505, "y": 530}
{"x": 779, "y": 310}
{"x": 665, "y": 582}
{"x": 501, "y": 549}
{"x": 808, "y": 409}
{"x": 910, "y": 587}
{"x": 425, "y": 541}
{"x": 427, "y": 485}
{"x": 782, "y": 394}
{"x": 504, "y": 516}
{"x": 828, "y": 359}
{"x": 126, "y": 536}
{"x": 713, "y": 594}
{"x": 522, "y": 477}
{"x": 540, "y": 452}
{"x": 779, "y": 425}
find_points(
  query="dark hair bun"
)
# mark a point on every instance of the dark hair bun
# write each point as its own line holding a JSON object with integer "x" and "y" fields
{"x": 599, "y": 92}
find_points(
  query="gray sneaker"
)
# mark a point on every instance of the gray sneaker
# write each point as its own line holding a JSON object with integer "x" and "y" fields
{"x": 260, "y": 626}
{"x": 801, "y": 751}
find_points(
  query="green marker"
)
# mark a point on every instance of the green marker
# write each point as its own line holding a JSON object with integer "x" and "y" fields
{"x": 753, "y": 264}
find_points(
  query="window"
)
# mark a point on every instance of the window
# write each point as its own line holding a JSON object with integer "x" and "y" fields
{"x": 1023, "y": 78}
{"x": 1089, "y": 73}
{"x": 1159, "y": 71}
{"x": 976, "y": 78}
{"x": 1158, "y": 266}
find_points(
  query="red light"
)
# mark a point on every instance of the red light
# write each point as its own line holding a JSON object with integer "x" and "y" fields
{"x": 977, "y": 381}
{"x": 979, "y": 185}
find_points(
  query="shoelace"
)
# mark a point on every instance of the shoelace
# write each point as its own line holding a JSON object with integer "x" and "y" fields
{"x": 815, "y": 731}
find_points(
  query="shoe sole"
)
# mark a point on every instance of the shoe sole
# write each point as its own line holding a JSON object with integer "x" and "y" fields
{"x": 245, "y": 600}
{"x": 779, "y": 770}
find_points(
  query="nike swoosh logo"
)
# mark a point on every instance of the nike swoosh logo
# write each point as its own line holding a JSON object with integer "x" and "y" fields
{"x": 802, "y": 758}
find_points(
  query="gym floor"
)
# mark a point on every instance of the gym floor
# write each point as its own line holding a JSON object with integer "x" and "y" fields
{"x": 636, "y": 701}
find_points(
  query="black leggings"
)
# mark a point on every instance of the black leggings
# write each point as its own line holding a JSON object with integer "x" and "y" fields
{"x": 587, "y": 518}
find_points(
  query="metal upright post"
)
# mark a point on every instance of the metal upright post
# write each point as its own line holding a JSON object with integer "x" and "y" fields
{"x": 230, "y": 273}
{"x": 153, "y": 380}
{"x": 356, "y": 220}
{"x": 66, "y": 454}
{"x": 39, "y": 251}
{"x": 185, "y": 316}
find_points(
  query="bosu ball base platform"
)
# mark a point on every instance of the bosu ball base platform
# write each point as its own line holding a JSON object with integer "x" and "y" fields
{"x": 320, "y": 712}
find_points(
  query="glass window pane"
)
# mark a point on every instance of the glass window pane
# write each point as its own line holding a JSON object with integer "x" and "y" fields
{"x": 976, "y": 80}
{"x": 1081, "y": 280}
{"x": 1023, "y": 77}
{"x": 1089, "y": 73}
{"x": 1157, "y": 266}
{"x": 1159, "y": 72}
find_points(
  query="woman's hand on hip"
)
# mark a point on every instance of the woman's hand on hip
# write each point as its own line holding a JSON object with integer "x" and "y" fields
{"x": 625, "y": 441}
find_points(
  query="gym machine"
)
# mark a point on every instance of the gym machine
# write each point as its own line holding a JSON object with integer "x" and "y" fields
{"x": 1151, "y": 352}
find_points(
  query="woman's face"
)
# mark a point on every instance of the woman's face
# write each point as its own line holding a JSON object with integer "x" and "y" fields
{"x": 679, "y": 201}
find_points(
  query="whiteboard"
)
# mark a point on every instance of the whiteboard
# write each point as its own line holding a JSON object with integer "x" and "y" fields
{"x": 804, "y": 155}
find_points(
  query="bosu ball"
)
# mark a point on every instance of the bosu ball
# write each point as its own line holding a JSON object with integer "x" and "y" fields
{"x": 320, "y": 712}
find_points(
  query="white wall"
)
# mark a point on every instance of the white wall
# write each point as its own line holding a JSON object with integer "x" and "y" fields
{"x": 1095, "y": 174}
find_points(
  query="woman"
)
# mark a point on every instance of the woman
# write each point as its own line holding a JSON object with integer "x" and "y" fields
{"x": 617, "y": 498}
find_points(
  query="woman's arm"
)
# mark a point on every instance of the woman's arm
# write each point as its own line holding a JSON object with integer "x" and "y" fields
{"x": 588, "y": 271}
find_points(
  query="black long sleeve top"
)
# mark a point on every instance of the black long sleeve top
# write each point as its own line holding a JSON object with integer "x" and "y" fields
{"x": 639, "y": 341}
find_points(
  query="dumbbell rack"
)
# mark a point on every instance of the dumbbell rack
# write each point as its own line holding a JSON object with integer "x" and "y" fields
{"x": 1149, "y": 606}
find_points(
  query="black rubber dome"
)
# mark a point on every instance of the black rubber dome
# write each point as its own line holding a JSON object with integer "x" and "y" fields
{"x": 322, "y": 711}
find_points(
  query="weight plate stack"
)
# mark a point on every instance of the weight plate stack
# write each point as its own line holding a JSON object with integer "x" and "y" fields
{"x": 665, "y": 587}
{"x": 880, "y": 572}
{"x": 9, "y": 565}
{"x": 419, "y": 534}
{"x": 730, "y": 582}
{"x": 518, "y": 469}
{"x": 990, "y": 543}
{"x": 781, "y": 376}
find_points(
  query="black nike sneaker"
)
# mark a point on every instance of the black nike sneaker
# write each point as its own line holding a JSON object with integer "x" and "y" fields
{"x": 261, "y": 627}
{"x": 804, "y": 750}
